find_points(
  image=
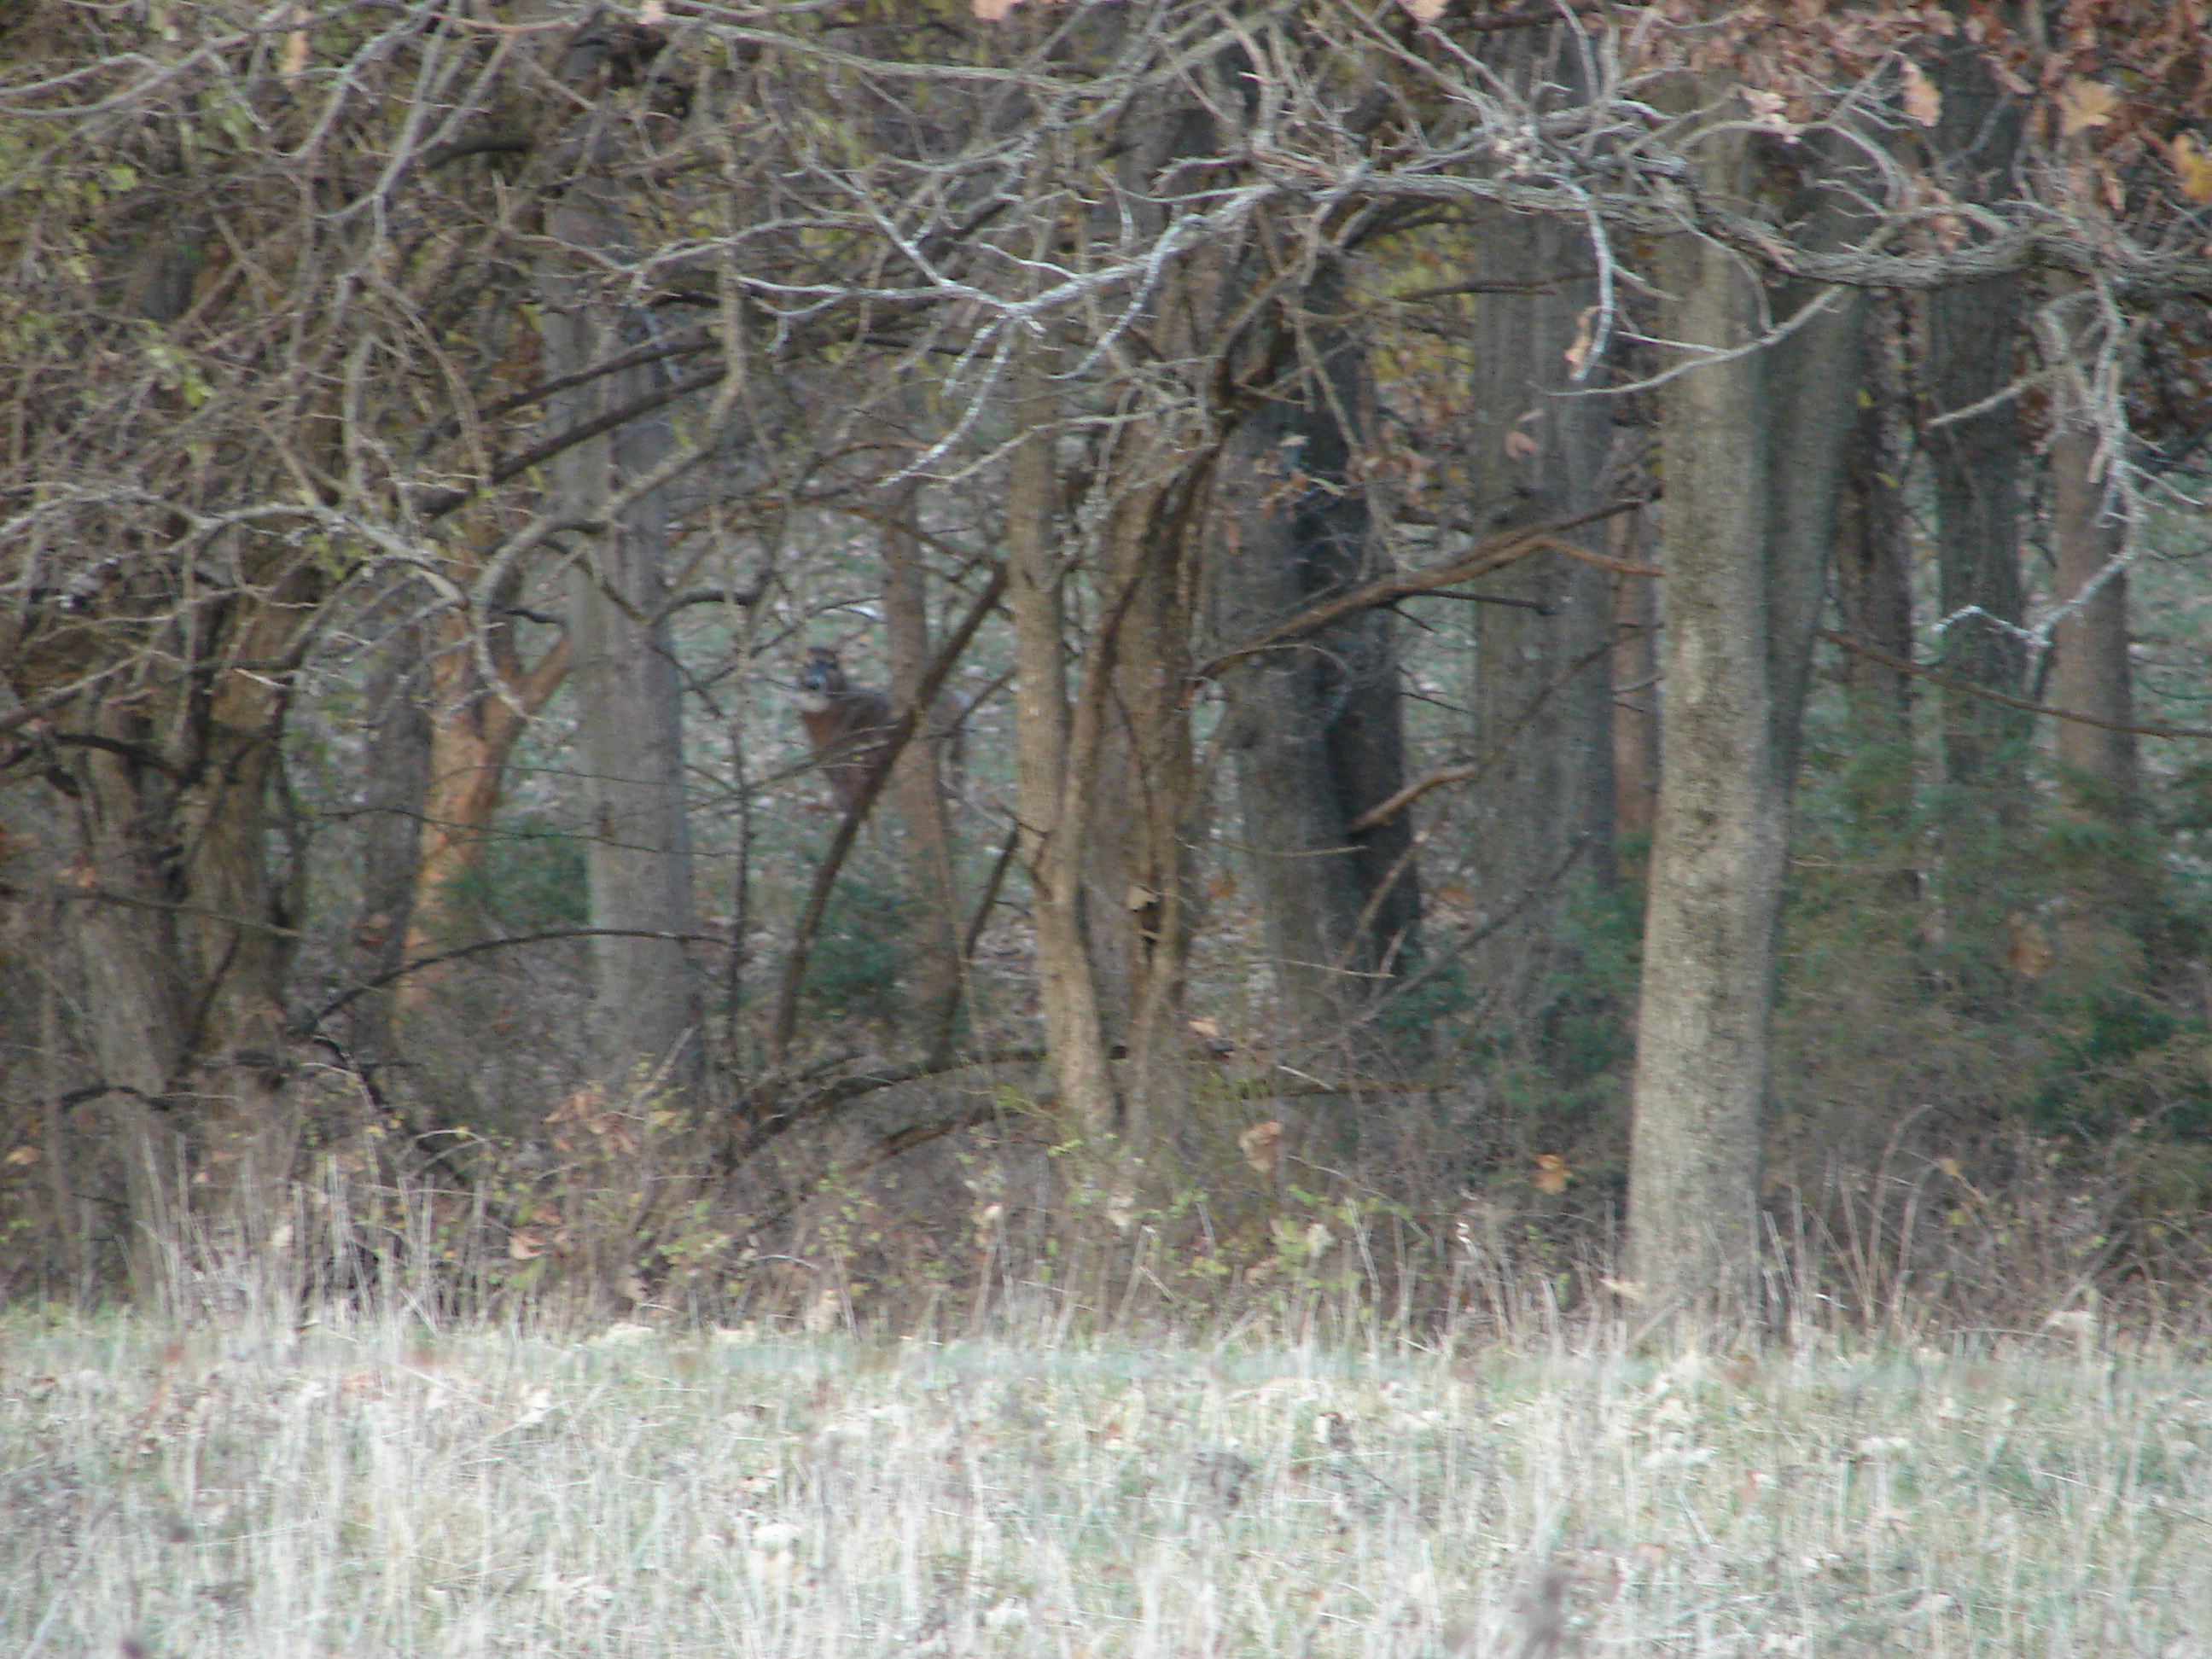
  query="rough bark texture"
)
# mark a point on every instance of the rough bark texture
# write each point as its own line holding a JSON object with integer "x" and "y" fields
{"x": 629, "y": 744}
{"x": 1050, "y": 762}
{"x": 1147, "y": 808}
{"x": 1539, "y": 449}
{"x": 1716, "y": 856}
{"x": 182, "y": 925}
{"x": 2105, "y": 871}
{"x": 472, "y": 729}
{"x": 1319, "y": 736}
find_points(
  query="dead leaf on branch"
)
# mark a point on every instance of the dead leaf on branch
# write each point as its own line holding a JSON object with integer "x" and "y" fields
{"x": 1553, "y": 1174}
{"x": 2085, "y": 103}
{"x": 2028, "y": 953}
{"x": 295, "y": 46}
{"x": 1922, "y": 103}
{"x": 1585, "y": 331}
{"x": 1767, "y": 113}
{"x": 1262, "y": 1145}
{"x": 2192, "y": 165}
{"x": 1424, "y": 11}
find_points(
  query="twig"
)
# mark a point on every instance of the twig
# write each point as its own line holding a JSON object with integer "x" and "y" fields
{"x": 1480, "y": 560}
{"x": 1899, "y": 665}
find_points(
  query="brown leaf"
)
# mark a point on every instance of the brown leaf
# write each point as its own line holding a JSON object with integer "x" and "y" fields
{"x": 2192, "y": 165}
{"x": 2085, "y": 103}
{"x": 1262, "y": 1145}
{"x": 1922, "y": 103}
{"x": 1553, "y": 1174}
{"x": 525, "y": 1246}
{"x": 2029, "y": 953}
{"x": 295, "y": 46}
{"x": 1424, "y": 11}
{"x": 1578, "y": 351}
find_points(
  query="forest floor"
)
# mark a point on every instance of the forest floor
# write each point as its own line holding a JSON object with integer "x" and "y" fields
{"x": 364, "y": 1489}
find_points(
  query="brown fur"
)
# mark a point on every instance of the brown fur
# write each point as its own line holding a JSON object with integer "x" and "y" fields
{"x": 845, "y": 724}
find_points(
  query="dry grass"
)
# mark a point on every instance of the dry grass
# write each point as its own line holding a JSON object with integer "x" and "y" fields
{"x": 371, "y": 1489}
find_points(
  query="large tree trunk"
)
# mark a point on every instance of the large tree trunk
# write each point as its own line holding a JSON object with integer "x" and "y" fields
{"x": 1972, "y": 334}
{"x": 180, "y": 923}
{"x": 1319, "y": 737}
{"x": 1753, "y": 454}
{"x": 2104, "y": 870}
{"x": 1539, "y": 450}
{"x": 645, "y": 994}
{"x": 1147, "y": 807}
{"x": 473, "y": 728}
{"x": 1716, "y": 855}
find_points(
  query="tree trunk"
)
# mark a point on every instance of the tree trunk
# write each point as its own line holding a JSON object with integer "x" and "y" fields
{"x": 1811, "y": 413}
{"x": 1539, "y": 451}
{"x": 1753, "y": 458}
{"x": 1318, "y": 734}
{"x": 1147, "y": 810}
{"x": 1972, "y": 334}
{"x": 395, "y": 775}
{"x": 1050, "y": 761}
{"x": 1630, "y": 539}
{"x": 472, "y": 729}
{"x": 2104, "y": 870}
{"x": 1874, "y": 598}
{"x": 1717, "y": 846}
{"x": 646, "y": 1000}
{"x": 917, "y": 784}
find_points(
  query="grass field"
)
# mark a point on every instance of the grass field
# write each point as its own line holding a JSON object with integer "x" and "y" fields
{"x": 376, "y": 1490}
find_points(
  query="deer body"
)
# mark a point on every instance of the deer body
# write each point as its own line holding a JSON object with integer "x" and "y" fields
{"x": 848, "y": 726}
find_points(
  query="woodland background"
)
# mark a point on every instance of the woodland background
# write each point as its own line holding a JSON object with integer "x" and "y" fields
{"x": 1561, "y": 654}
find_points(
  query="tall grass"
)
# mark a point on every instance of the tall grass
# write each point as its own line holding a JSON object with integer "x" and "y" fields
{"x": 335, "y": 1484}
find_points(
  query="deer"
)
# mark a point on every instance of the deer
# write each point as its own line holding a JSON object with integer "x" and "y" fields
{"x": 849, "y": 727}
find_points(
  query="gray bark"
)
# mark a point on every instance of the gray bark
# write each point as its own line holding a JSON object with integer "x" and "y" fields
{"x": 917, "y": 787}
{"x": 1811, "y": 413}
{"x": 1632, "y": 538}
{"x": 1319, "y": 736}
{"x": 645, "y": 1015}
{"x": 1752, "y": 452}
{"x": 395, "y": 777}
{"x": 1972, "y": 336}
{"x": 1053, "y": 762}
{"x": 1874, "y": 599}
{"x": 2106, "y": 872}
{"x": 1539, "y": 449}
{"x": 1716, "y": 855}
